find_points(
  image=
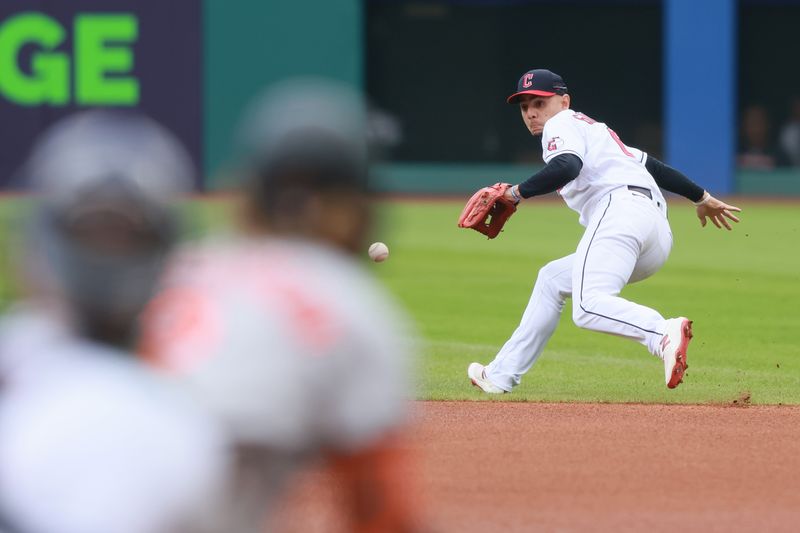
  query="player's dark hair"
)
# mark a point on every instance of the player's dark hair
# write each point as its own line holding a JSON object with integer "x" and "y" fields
{"x": 313, "y": 162}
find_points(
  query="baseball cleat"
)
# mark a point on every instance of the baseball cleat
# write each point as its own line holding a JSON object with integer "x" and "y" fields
{"x": 677, "y": 334}
{"x": 477, "y": 374}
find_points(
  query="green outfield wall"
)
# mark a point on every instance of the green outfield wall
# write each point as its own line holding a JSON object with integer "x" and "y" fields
{"x": 444, "y": 178}
{"x": 453, "y": 178}
{"x": 250, "y": 43}
{"x": 780, "y": 182}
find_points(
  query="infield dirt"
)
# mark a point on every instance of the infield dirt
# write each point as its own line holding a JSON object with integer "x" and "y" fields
{"x": 509, "y": 466}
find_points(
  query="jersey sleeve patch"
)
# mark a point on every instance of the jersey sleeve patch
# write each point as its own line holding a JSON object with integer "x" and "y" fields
{"x": 554, "y": 143}
{"x": 562, "y": 136}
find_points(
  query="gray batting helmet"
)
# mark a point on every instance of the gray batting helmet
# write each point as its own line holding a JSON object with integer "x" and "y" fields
{"x": 104, "y": 221}
{"x": 306, "y": 132}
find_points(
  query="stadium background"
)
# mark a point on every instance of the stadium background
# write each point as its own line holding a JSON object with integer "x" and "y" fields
{"x": 671, "y": 76}
{"x": 675, "y": 77}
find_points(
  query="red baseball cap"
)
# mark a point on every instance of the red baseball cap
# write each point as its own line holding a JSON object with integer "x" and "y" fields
{"x": 539, "y": 82}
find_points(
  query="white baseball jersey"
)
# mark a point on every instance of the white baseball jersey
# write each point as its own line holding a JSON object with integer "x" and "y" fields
{"x": 627, "y": 239}
{"x": 92, "y": 441}
{"x": 607, "y": 162}
{"x": 292, "y": 344}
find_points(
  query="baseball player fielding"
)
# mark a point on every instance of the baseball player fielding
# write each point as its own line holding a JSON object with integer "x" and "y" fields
{"x": 616, "y": 191}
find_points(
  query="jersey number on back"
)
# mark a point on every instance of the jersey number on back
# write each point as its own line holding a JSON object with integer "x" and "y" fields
{"x": 588, "y": 120}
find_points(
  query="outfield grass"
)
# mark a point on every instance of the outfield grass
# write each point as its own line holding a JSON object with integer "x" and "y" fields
{"x": 467, "y": 294}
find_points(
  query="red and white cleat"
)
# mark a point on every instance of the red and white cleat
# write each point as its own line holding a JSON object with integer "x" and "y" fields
{"x": 674, "y": 343}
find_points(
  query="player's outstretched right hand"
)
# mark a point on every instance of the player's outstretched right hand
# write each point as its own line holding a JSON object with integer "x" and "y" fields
{"x": 717, "y": 211}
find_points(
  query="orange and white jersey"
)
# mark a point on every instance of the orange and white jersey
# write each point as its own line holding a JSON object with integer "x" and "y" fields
{"x": 607, "y": 162}
{"x": 292, "y": 344}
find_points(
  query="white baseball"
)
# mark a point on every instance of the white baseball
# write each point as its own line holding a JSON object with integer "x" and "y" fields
{"x": 378, "y": 252}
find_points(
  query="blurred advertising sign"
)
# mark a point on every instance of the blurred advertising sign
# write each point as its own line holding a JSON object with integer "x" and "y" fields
{"x": 57, "y": 57}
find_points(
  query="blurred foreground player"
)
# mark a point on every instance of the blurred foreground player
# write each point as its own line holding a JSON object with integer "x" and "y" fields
{"x": 282, "y": 331}
{"x": 91, "y": 440}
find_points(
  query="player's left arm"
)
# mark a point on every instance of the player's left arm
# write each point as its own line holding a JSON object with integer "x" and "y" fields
{"x": 558, "y": 172}
{"x": 673, "y": 180}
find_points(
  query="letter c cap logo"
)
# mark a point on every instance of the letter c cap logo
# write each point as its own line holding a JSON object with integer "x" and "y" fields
{"x": 527, "y": 80}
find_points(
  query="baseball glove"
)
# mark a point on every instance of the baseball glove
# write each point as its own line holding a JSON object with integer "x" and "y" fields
{"x": 487, "y": 211}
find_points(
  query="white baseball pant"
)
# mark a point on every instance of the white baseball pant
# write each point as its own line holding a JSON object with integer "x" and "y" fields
{"x": 627, "y": 239}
